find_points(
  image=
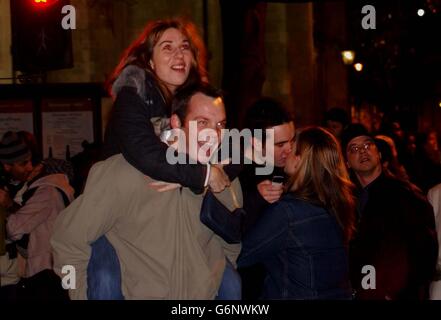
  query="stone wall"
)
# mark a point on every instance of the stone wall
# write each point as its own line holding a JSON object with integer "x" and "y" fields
{"x": 107, "y": 28}
{"x": 307, "y": 79}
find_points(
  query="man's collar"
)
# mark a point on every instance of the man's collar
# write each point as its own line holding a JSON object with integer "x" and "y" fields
{"x": 375, "y": 181}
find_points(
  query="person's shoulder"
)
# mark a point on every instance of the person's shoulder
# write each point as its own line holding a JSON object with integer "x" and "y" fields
{"x": 133, "y": 72}
{"x": 387, "y": 185}
{"x": 114, "y": 165}
{"x": 117, "y": 163}
{"x": 404, "y": 196}
{"x": 300, "y": 208}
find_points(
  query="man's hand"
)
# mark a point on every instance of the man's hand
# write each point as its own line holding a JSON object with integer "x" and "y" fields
{"x": 218, "y": 179}
{"x": 270, "y": 192}
{"x": 5, "y": 199}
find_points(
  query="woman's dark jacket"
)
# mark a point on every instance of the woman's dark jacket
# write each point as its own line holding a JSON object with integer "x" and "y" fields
{"x": 302, "y": 248}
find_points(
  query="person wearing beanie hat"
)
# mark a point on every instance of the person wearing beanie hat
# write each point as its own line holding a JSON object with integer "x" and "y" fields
{"x": 13, "y": 149}
{"x": 15, "y": 156}
{"x": 395, "y": 236}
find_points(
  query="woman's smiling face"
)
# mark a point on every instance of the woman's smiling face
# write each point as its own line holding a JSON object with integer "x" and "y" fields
{"x": 172, "y": 58}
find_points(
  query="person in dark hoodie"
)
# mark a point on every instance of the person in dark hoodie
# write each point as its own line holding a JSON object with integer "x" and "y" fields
{"x": 260, "y": 191}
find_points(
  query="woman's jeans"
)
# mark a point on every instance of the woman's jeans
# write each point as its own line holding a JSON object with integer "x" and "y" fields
{"x": 231, "y": 285}
{"x": 104, "y": 275}
{"x": 104, "y": 272}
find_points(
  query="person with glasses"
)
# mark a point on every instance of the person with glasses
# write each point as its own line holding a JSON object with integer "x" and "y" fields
{"x": 394, "y": 251}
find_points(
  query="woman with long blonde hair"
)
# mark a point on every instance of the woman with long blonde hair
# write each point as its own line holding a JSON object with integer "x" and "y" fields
{"x": 302, "y": 239}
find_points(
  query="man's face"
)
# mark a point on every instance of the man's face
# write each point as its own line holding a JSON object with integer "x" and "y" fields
{"x": 284, "y": 135}
{"x": 397, "y": 130}
{"x": 363, "y": 155}
{"x": 20, "y": 170}
{"x": 208, "y": 113}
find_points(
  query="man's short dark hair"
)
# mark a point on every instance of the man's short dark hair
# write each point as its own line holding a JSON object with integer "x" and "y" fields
{"x": 266, "y": 113}
{"x": 182, "y": 97}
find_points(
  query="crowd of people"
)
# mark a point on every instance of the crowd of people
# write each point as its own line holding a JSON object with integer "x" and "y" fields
{"x": 346, "y": 213}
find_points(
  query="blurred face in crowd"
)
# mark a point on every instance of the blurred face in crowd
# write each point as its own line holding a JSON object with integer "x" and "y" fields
{"x": 284, "y": 135}
{"x": 397, "y": 130}
{"x": 20, "y": 170}
{"x": 334, "y": 127}
{"x": 172, "y": 58}
{"x": 363, "y": 156}
{"x": 432, "y": 141}
{"x": 411, "y": 143}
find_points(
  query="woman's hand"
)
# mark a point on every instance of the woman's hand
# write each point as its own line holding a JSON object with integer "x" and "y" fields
{"x": 162, "y": 186}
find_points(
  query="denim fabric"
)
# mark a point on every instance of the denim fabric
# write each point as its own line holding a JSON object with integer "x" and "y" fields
{"x": 302, "y": 248}
{"x": 104, "y": 272}
{"x": 230, "y": 288}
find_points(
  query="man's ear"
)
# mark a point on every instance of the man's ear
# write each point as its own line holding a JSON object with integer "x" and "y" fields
{"x": 175, "y": 122}
{"x": 348, "y": 165}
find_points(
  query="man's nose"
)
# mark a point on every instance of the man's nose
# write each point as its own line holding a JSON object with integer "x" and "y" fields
{"x": 288, "y": 148}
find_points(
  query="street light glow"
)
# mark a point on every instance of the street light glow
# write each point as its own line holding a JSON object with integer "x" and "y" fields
{"x": 358, "y": 67}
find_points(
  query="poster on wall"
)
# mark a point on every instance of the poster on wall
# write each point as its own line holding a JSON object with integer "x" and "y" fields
{"x": 66, "y": 123}
{"x": 16, "y": 115}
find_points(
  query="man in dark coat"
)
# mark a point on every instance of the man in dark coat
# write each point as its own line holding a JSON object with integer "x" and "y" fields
{"x": 259, "y": 191}
{"x": 393, "y": 254}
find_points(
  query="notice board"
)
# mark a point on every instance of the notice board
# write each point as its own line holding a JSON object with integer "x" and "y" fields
{"x": 66, "y": 123}
{"x": 16, "y": 115}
